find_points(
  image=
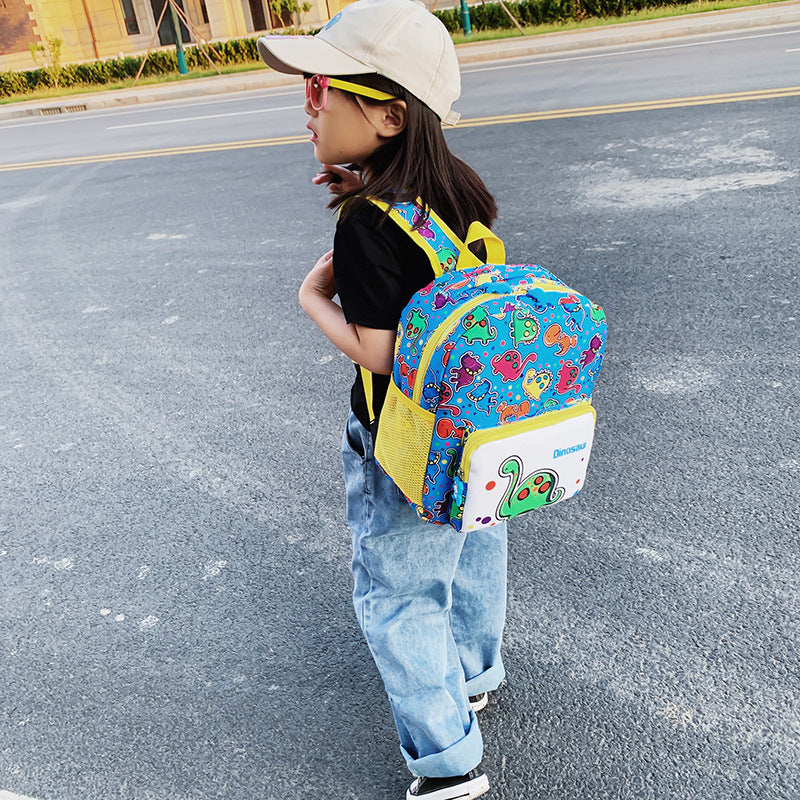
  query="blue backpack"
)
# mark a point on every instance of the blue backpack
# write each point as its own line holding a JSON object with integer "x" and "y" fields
{"x": 488, "y": 413}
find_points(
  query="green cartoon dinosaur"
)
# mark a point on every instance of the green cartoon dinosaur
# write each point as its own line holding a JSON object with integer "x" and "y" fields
{"x": 415, "y": 327}
{"x": 477, "y": 327}
{"x": 524, "y": 328}
{"x": 597, "y": 314}
{"x": 447, "y": 259}
{"x": 537, "y": 490}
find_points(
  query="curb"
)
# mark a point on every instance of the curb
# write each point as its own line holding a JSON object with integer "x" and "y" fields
{"x": 729, "y": 20}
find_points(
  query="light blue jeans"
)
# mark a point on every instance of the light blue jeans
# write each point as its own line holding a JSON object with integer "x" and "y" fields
{"x": 431, "y": 602}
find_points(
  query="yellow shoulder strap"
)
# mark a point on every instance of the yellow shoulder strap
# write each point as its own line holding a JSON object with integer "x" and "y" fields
{"x": 435, "y": 238}
{"x": 444, "y": 249}
{"x": 366, "y": 379}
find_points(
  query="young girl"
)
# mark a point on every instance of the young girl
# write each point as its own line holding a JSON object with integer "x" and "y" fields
{"x": 381, "y": 77}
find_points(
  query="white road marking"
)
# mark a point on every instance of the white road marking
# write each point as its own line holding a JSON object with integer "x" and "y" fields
{"x": 23, "y": 202}
{"x": 241, "y": 97}
{"x": 11, "y": 796}
{"x": 534, "y": 60}
{"x": 205, "y": 116}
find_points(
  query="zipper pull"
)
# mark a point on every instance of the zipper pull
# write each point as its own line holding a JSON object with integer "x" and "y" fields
{"x": 457, "y": 498}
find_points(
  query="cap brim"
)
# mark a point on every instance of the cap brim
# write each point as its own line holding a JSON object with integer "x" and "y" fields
{"x": 307, "y": 54}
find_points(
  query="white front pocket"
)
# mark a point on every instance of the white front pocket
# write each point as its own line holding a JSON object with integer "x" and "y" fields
{"x": 525, "y": 465}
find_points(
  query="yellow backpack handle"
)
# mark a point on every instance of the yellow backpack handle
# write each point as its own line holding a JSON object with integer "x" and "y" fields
{"x": 495, "y": 249}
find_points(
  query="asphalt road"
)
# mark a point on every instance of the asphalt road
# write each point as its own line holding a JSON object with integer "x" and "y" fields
{"x": 175, "y": 618}
{"x": 698, "y": 65}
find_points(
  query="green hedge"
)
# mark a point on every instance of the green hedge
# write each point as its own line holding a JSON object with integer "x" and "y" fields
{"x": 159, "y": 62}
{"x": 489, "y": 16}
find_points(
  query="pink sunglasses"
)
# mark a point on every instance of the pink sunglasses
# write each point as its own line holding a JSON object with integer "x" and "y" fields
{"x": 317, "y": 90}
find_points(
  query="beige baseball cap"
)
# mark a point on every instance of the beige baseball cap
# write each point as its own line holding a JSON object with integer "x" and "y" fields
{"x": 399, "y": 39}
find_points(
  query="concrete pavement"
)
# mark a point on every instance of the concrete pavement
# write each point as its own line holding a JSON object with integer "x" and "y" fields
{"x": 783, "y": 13}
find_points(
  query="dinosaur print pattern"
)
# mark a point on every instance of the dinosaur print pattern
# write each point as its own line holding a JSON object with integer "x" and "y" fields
{"x": 464, "y": 374}
{"x": 536, "y": 383}
{"x": 483, "y": 397}
{"x": 415, "y": 328}
{"x": 509, "y": 365}
{"x": 524, "y": 327}
{"x": 477, "y": 327}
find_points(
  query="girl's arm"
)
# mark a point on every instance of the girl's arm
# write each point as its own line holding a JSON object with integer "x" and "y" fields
{"x": 372, "y": 348}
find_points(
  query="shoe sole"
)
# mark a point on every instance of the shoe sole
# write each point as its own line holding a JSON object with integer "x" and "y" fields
{"x": 467, "y": 791}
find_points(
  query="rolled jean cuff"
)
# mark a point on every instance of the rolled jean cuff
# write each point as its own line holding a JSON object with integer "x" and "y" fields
{"x": 458, "y": 759}
{"x": 487, "y": 681}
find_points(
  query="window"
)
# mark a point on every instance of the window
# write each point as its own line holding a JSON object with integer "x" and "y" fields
{"x": 131, "y": 23}
{"x": 257, "y": 15}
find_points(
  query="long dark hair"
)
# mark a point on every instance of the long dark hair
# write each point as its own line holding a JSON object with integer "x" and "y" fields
{"x": 418, "y": 163}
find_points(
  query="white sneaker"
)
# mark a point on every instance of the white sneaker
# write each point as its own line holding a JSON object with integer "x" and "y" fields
{"x": 460, "y": 787}
{"x": 479, "y": 701}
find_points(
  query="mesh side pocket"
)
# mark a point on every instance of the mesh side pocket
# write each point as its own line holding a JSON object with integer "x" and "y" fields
{"x": 404, "y": 442}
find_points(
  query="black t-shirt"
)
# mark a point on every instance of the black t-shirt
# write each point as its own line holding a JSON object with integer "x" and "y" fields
{"x": 378, "y": 267}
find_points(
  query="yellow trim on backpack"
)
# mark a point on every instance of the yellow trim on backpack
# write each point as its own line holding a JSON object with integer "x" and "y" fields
{"x": 480, "y": 437}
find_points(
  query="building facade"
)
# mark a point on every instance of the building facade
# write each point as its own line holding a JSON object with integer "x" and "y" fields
{"x": 92, "y": 29}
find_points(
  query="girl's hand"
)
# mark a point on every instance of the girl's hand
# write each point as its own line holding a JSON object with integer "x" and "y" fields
{"x": 320, "y": 280}
{"x": 339, "y": 179}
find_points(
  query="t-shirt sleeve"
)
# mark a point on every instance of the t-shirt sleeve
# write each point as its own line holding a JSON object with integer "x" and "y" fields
{"x": 369, "y": 264}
